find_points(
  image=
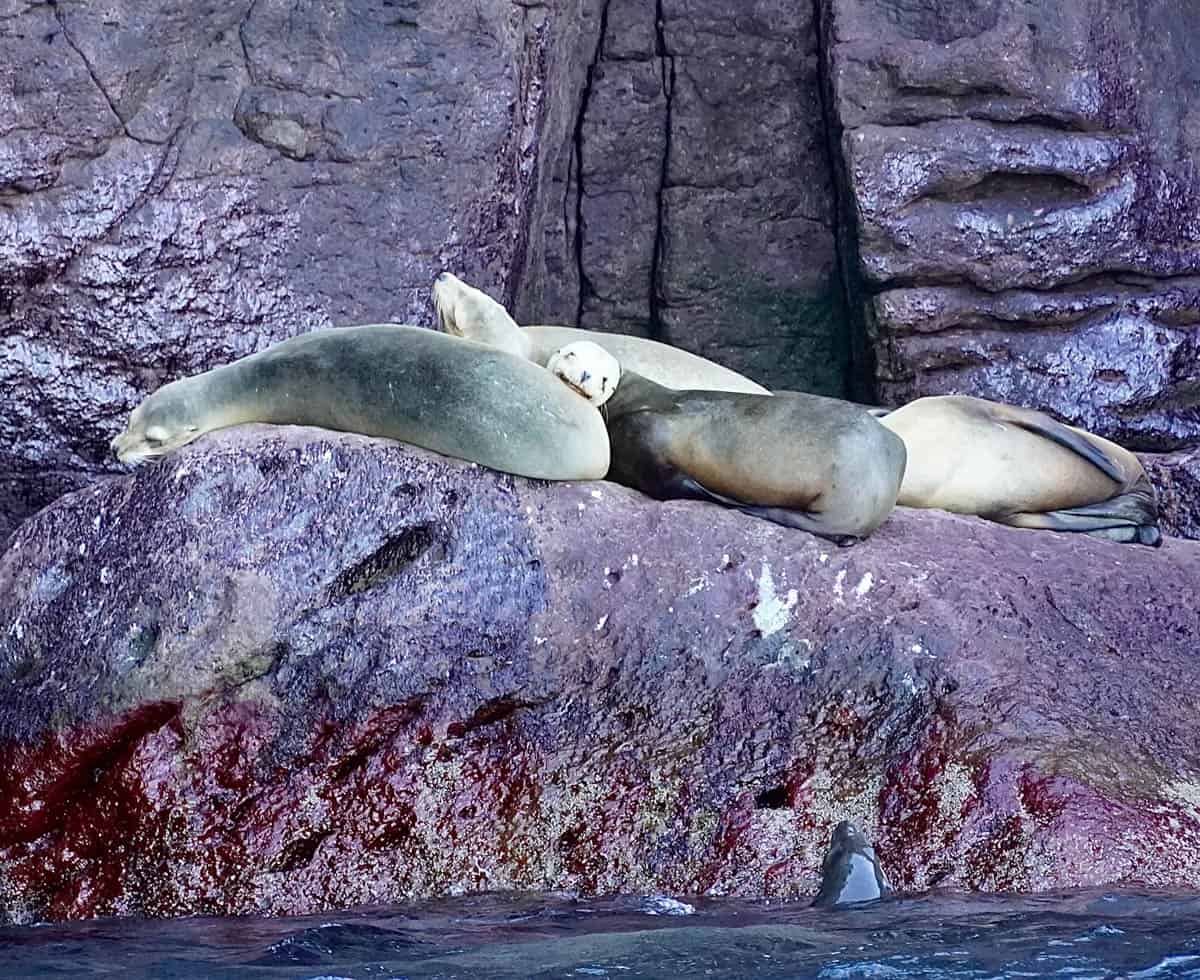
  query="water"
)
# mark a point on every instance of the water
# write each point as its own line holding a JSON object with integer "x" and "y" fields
{"x": 1080, "y": 936}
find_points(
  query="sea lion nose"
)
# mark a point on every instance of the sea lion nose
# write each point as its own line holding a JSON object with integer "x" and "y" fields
{"x": 583, "y": 377}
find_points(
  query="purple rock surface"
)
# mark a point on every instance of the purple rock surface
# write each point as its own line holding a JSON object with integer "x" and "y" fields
{"x": 287, "y": 669}
{"x": 1023, "y": 179}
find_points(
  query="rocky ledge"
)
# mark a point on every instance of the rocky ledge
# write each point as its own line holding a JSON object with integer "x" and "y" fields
{"x": 288, "y": 669}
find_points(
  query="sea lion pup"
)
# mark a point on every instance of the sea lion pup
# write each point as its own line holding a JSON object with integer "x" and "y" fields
{"x": 851, "y": 873}
{"x": 469, "y": 312}
{"x": 1020, "y": 467}
{"x": 813, "y": 463}
{"x": 407, "y": 383}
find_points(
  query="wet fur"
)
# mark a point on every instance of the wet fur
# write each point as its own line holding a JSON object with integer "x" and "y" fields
{"x": 1020, "y": 467}
{"x": 418, "y": 386}
{"x": 808, "y": 462}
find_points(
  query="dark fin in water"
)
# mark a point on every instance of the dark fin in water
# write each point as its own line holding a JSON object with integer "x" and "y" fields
{"x": 1043, "y": 425}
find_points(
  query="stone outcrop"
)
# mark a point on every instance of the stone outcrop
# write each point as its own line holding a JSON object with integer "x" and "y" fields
{"x": 698, "y": 201}
{"x": 288, "y": 669}
{"x": 848, "y": 196}
{"x": 182, "y": 187}
{"x": 1023, "y": 178}
{"x": 1176, "y": 479}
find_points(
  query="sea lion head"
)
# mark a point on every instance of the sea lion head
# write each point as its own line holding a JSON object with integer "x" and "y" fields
{"x": 163, "y": 422}
{"x": 851, "y": 873}
{"x": 588, "y": 368}
{"x": 470, "y": 313}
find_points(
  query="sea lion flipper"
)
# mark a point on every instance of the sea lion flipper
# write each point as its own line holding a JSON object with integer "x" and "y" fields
{"x": 1128, "y": 518}
{"x": 691, "y": 488}
{"x": 1063, "y": 435}
{"x": 1111, "y": 529}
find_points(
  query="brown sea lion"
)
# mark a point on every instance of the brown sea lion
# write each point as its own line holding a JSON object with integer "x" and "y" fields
{"x": 818, "y": 464}
{"x": 1020, "y": 467}
{"x": 465, "y": 311}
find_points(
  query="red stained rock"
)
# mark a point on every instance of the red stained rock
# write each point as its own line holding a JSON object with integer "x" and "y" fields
{"x": 287, "y": 669}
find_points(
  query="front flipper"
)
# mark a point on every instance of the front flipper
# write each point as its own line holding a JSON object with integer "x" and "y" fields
{"x": 1043, "y": 425}
{"x": 690, "y": 489}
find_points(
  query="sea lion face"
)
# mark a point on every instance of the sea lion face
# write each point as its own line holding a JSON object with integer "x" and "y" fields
{"x": 159, "y": 425}
{"x": 851, "y": 873}
{"x": 588, "y": 368}
{"x": 467, "y": 312}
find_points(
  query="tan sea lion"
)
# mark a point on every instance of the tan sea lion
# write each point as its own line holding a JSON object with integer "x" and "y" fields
{"x": 818, "y": 464}
{"x": 1020, "y": 467}
{"x": 851, "y": 873}
{"x": 418, "y": 386}
{"x": 465, "y": 311}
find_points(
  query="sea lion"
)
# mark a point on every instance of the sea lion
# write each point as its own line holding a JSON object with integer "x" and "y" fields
{"x": 1020, "y": 467}
{"x": 818, "y": 464}
{"x": 851, "y": 873}
{"x": 408, "y": 383}
{"x": 465, "y": 311}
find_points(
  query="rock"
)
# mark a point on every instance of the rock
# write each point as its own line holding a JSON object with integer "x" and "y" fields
{"x": 697, "y": 207}
{"x": 288, "y": 669}
{"x": 1176, "y": 479}
{"x": 1023, "y": 190}
{"x": 183, "y": 186}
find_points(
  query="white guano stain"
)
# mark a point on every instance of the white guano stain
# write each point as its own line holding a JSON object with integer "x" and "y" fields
{"x": 772, "y": 612}
{"x": 864, "y": 585}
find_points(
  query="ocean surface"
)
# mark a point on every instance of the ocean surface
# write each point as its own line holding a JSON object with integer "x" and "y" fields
{"x": 1100, "y": 934}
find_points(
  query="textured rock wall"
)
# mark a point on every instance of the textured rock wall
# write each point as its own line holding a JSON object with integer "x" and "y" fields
{"x": 287, "y": 670}
{"x": 181, "y": 184}
{"x": 979, "y": 195}
{"x": 697, "y": 205}
{"x": 1025, "y": 180}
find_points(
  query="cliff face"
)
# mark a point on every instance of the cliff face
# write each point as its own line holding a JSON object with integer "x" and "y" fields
{"x": 1025, "y": 179}
{"x": 288, "y": 669}
{"x": 845, "y": 196}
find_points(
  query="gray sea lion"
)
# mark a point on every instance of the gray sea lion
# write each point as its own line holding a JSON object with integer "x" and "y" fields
{"x": 407, "y": 383}
{"x": 851, "y": 873}
{"x": 818, "y": 464}
{"x": 1020, "y": 467}
{"x": 468, "y": 312}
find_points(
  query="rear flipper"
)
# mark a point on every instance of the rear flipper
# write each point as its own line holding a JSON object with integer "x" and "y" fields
{"x": 1128, "y": 518}
{"x": 689, "y": 488}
